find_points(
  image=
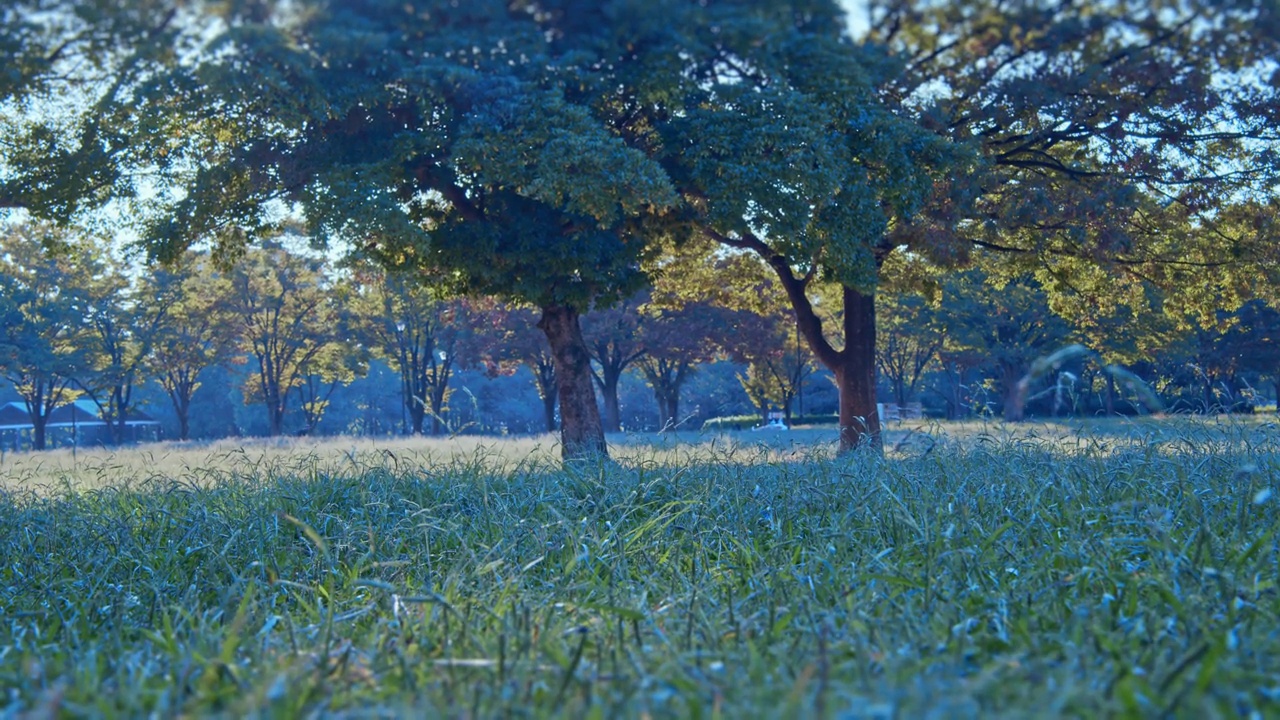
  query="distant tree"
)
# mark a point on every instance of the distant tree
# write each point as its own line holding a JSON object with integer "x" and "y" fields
{"x": 1256, "y": 338}
{"x": 425, "y": 335}
{"x": 1125, "y": 319}
{"x": 1005, "y": 322}
{"x": 908, "y": 341}
{"x": 523, "y": 344}
{"x": 612, "y": 336}
{"x": 676, "y": 340}
{"x": 777, "y": 360}
{"x": 198, "y": 332}
{"x": 45, "y": 278}
{"x": 287, "y": 316}
{"x": 126, "y": 317}
{"x": 337, "y": 364}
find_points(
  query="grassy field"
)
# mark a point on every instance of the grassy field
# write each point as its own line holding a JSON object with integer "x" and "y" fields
{"x": 1115, "y": 569}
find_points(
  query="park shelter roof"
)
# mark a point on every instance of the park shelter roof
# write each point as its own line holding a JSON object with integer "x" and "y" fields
{"x": 13, "y": 416}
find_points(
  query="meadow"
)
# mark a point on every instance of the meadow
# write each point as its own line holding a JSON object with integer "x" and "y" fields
{"x": 1124, "y": 568}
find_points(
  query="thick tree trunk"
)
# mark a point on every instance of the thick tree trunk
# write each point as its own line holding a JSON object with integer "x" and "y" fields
{"x": 856, "y": 374}
{"x": 38, "y": 433}
{"x": 581, "y": 430}
{"x": 612, "y": 411}
{"x": 417, "y": 416}
{"x": 854, "y": 366}
{"x": 180, "y": 396}
{"x": 275, "y": 413}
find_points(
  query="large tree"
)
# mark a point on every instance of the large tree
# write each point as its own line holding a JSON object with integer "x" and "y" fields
{"x": 1120, "y": 144}
{"x": 1007, "y": 324}
{"x": 677, "y": 338}
{"x": 771, "y": 125}
{"x": 68, "y": 126}
{"x": 436, "y": 136}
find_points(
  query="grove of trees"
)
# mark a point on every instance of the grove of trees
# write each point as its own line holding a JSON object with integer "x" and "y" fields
{"x": 656, "y": 186}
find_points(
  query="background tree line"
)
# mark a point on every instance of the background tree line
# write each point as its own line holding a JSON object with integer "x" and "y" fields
{"x": 284, "y": 341}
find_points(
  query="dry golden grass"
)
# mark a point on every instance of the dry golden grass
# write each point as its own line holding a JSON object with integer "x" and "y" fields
{"x": 199, "y": 463}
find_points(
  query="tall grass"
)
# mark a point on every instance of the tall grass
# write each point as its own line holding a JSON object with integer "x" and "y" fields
{"x": 982, "y": 577}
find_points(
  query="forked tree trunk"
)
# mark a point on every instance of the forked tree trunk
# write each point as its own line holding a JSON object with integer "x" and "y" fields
{"x": 581, "y": 431}
{"x": 853, "y": 366}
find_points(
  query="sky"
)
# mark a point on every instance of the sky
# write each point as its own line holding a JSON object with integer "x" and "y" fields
{"x": 857, "y": 10}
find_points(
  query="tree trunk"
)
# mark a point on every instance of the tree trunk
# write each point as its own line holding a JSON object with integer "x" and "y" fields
{"x": 1014, "y": 396}
{"x": 180, "y": 395}
{"x": 609, "y": 394}
{"x": 581, "y": 430}
{"x": 854, "y": 366}
{"x": 417, "y": 416}
{"x": 662, "y": 410}
{"x": 549, "y": 410}
{"x": 275, "y": 413}
{"x": 38, "y": 433}
{"x": 1111, "y": 394}
{"x": 856, "y": 374}
{"x": 437, "y": 411}
{"x": 544, "y": 377}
